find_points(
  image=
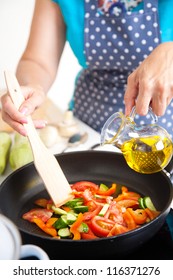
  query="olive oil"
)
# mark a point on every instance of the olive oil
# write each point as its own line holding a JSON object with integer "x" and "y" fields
{"x": 148, "y": 154}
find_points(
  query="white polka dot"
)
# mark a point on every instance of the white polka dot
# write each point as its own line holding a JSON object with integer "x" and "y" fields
{"x": 149, "y": 5}
{"x": 109, "y": 44}
{"x": 143, "y": 42}
{"x": 92, "y": 37}
{"x": 149, "y": 33}
{"x": 138, "y": 50}
{"x": 103, "y": 36}
{"x": 98, "y": 44}
{"x": 108, "y": 28}
{"x": 97, "y": 29}
{"x": 148, "y": 18}
{"x": 86, "y": 30}
{"x": 142, "y": 26}
{"x": 156, "y": 40}
{"x": 87, "y": 15}
{"x": 154, "y": 9}
{"x": 131, "y": 43}
{"x": 120, "y": 43}
{"x": 130, "y": 28}
{"x": 92, "y": 22}
{"x": 123, "y": 20}
{"x": 150, "y": 48}
{"x": 114, "y": 36}
{"x": 115, "y": 50}
{"x": 136, "y": 19}
{"x": 155, "y": 24}
{"x": 137, "y": 35}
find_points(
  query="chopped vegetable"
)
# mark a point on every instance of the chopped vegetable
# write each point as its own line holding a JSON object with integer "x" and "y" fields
{"x": 93, "y": 212}
{"x": 104, "y": 210}
{"x": 148, "y": 203}
{"x": 58, "y": 210}
{"x": 20, "y": 153}
{"x": 5, "y": 144}
{"x": 64, "y": 232}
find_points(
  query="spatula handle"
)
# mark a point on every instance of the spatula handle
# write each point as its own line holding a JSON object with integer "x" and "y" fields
{"x": 18, "y": 98}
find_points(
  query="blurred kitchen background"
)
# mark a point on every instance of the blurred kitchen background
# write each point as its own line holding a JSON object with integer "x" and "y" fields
{"x": 15, "y": 20}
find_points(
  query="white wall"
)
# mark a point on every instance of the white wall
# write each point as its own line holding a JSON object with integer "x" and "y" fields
{"x": 15, "y": 19}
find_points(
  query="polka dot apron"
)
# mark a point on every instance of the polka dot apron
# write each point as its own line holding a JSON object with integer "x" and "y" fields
{"x": 115, "y": 44}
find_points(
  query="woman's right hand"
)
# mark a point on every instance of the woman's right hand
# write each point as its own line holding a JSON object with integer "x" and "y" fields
{"x": 34, "y": 97}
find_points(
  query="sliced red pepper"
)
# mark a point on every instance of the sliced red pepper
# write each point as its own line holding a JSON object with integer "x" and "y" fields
{"x": 74, "y": 227}
{"x": 51, "y": 221}
{"x": 101, "y": 226}
{"x": 129, "y": 220}
{"x": 108, "y": 192}
{"x": 128, "y": 203}
{"x": 139, "y": 215}
{"x": 47, "y": 229}
{"x": 90, "y": 214}
{"x": 125, "y": 194}
{"x": 151, "y": 214}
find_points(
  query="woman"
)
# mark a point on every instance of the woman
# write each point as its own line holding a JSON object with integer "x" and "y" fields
{"x": 125, "y": 49}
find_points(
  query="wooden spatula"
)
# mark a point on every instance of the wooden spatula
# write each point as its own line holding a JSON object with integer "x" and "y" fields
{"x": 45, "y": 162}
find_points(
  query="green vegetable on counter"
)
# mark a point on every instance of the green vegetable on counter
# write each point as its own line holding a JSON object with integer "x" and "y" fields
{"x": 5, "y": 144}
{"x": 20, "y": 153}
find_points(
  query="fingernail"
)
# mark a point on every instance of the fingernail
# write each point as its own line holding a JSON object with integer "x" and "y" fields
{"x": 24, "y": 110}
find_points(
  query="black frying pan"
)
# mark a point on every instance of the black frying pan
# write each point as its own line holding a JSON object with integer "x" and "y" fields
{"x": 22, "y": 187}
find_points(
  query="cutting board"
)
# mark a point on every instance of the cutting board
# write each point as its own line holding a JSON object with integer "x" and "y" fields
{"x": 47, "y": 111}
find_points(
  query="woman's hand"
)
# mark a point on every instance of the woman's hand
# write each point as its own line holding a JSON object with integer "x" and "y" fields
{"x": 34, "y": 96}
{"x": 151, "y": 84}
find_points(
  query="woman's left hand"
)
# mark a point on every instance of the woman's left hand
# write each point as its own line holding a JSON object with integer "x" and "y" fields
{"x": 151, "y": 84}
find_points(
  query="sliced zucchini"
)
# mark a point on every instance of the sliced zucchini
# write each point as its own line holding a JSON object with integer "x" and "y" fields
{"x": 103, "y": 210}
{"x": 61, "y": 222}
{"x": 64, "y": 232}
{"x": 141, "y": 203}
{"x": 71, "y": 218}
{"x": 74, "y": 202}
{"x": 148, "y": 203}
{"x": 81, "y": 209}
{"x": 103, "y": 187}
{"x": 58, "y": 210}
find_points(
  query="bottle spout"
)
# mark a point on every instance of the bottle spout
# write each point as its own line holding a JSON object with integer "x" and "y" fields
{"x": 111, "y": 129}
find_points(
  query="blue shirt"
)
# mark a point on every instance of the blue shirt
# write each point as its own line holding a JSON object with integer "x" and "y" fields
{"x": 73, "y": 12}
